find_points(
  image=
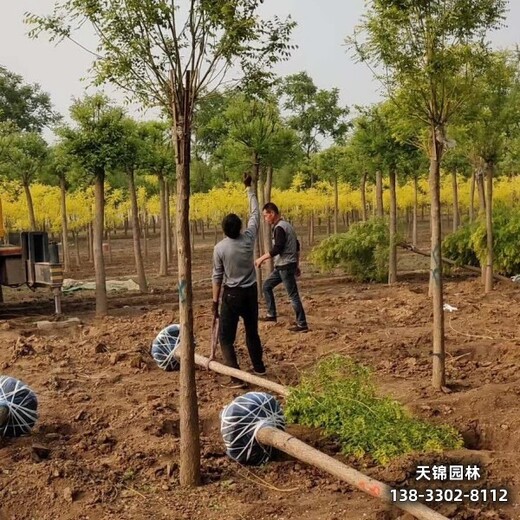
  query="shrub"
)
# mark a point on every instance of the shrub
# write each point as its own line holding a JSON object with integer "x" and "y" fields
{"x": 339, "y": 396}
{"x": 468, "y": 244}
{"x": 362, "y": 251}
{"x": 458, "y": 246}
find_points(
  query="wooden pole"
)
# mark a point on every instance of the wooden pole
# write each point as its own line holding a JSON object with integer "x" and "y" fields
{"x": 296, "y": 448}
{"x": 292, "y": 446}
{"x": 413, "y": 249}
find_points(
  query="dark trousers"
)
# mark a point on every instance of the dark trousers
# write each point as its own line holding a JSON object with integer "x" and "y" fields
{"x": 288, "y": 278}
{"x": 240, "y": 302}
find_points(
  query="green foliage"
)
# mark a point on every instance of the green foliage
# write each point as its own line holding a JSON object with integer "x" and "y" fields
{"x": 458, "y": 246}
{"x": 468, "y": 244}
{"x": 339, "y": 397}
{"x": 362, "y": 251}
{"x": 23, "y": 104}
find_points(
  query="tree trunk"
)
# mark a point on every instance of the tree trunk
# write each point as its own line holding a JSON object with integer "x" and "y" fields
{"x": 438, "y": 373}
{"x": 90, "y": 239}
{"x": 264, "y": 191}
{"x": 392, "y": 257}
{"x": 490, "y": 167}
{"x": 259, "y": 238}
{"x": 169, "y": 237}
{"x": 336, "y": 204}
{"x": 379, "y": 195}
{"x": 99, "y": 260}
{"x": 163, "y": 254}
{"x": 415, "y": 210}
{"x": 76, "y": 242}
{"x": 136, "y": 234}
{"x": 472, "y": 198}
{"x": 64, "y": 226}
{"x": 30, "y": 206}
{"x": 145, "y": 233}
{"x": 189, "y": 467}
{"x": 364, "y": 196}
{"x": 456, "y": 214}
{"x": 481, "y": 191}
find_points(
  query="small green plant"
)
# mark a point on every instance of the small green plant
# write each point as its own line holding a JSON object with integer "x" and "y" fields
{"x": 339, "y": 396}
{"x": 362, "y": 251}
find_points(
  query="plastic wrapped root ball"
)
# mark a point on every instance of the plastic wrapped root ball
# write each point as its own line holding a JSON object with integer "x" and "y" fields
{"x": 241, "y": 419}
{"x": 164, "y": 347}
{"x": 18, "y": 407}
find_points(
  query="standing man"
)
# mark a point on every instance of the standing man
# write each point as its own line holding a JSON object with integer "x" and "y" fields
{"x": 286, "y": 250}
{"x": 233, "y": 266}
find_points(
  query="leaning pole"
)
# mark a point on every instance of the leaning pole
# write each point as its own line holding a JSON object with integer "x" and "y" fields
{"x": 166, "y": 353}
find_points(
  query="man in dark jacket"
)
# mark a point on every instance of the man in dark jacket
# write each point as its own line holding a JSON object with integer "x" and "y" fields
{"x": 233, "y": 267}
{"x": 286, "y": 251}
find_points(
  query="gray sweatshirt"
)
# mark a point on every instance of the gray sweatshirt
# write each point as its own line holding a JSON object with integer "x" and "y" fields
{"x": 233, "y": 258}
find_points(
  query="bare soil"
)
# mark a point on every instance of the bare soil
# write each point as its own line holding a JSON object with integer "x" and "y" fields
{"x": 107, "y": 442}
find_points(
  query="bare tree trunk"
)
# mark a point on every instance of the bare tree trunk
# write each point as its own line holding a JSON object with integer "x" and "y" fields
{"x": 481, "y": 191}
{"x": 76, "y": 242}
{"x": 415, "y": 210}
{"x": 189, "y": 467}
{"x": 379, "y": 195}
{"x": 145, "y": 233}
{"x": 202, "y": 231}
{"x": 438, "y": 373}
{"x": 472, "y": 198}
{"x": 169, "y": 236}
{"x": 364, "y": 196}
{"x": 99, "y": 260}
{"x": 136, "y": 235}
{"x": 30, "y": 205}
{"x": 392, "y": 257}
{"x": 456, "y": 213}
{"x": 336, "y": 204}
{"x": 258, "y": 242}
{"x": 490, "y": 167}
{"x": 163, "y": 250}
{"x": 64, "y": 225}
{"x": 90, "y": 244}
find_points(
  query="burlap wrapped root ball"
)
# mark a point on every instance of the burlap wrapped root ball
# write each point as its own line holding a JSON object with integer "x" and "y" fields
{"x": 164, "y": 347}
{"x": 18, "y": 407}
{"x": 241, "y": 419}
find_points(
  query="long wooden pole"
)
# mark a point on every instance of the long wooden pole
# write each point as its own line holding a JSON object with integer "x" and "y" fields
{"x": 285, "y": 442}
{"x": 298, "y": 449}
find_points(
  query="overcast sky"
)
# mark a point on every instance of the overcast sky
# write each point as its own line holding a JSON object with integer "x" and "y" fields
{"x": 322, "y": 27}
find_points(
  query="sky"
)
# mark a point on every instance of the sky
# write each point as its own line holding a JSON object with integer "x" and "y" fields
{"x": 320, "y": 33}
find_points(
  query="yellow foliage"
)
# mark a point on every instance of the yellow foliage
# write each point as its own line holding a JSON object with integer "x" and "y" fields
{"x": 295, "y": 203}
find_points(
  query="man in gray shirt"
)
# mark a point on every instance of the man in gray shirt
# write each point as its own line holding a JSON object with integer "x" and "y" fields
{"x": 233, "y": 267}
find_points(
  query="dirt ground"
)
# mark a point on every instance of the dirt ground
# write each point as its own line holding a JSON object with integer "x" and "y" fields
{"x": 107, "y": 442}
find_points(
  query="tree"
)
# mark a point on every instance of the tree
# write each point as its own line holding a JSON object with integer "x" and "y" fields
{"x": 130, "y": 159}
{"x": 158, "y": 159}
{"x": 497, "y": 118}
{"x": 314, "y": 112}
{"x": 23, "y": 104}
{"x": 22, "y": 158}
{"x": 59, "y": 166}
{"x": 432, "y": 50}
{"x": 95, "y": 142}
{"x": 167, "y": 57}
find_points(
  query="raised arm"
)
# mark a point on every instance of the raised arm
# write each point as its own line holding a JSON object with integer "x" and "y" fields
{"x": 254, "y": 210}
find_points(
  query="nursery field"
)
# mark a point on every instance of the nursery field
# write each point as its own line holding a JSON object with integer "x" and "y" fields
{"x": 107, "y": 442}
